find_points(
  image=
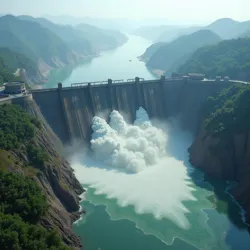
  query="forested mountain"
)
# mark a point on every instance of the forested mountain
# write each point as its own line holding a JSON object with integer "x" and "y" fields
{"x": 228, "y": 58}
{"x": 228, "y": 28}
{"x": 170, "y": 56}
{"x": 33, "y": 215}
{"x": 45, "y": 45}
{"x": 35, "y": 42}
{"x": 225, "y": 28}
{"x": 11, "y": 61}
{"x": 6, "y": 73}
{"x": 16, "y": 61}
{"x": 151, "y": 50}
{"x": 68, "y": 34}
{"x": 84, "y": 38}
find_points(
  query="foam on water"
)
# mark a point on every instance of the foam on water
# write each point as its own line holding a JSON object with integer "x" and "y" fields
{"x": 130, "y": 164}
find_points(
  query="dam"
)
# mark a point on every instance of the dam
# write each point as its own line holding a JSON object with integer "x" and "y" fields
{"x": 69, "y": 111}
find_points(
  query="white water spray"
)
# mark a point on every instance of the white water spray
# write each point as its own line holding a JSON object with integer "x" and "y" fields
{"x": 128, "y": 147}
{"x": 159, "y": 183}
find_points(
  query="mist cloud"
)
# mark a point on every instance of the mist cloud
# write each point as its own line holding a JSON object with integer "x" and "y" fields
{"x": 128, "y": 147}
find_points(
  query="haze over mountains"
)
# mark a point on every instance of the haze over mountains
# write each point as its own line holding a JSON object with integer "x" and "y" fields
{"x": 171, "y": 55}
{"x": 177, "y": 44}
{"x": 125, "y": 25}
{"x": 48, "y": 45}
{"x": 40, "y": 45}
{"x": 226, "y": 28}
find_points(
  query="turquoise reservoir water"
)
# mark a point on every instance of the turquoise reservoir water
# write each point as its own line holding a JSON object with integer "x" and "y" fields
{"x": 169, "y": 206}
{"x": 126, "y": 212}
{"x": 121, "y": 63}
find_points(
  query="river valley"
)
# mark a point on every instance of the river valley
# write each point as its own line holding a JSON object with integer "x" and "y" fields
{"x": 158, "y": 203}
{"x": 117, "y": 64}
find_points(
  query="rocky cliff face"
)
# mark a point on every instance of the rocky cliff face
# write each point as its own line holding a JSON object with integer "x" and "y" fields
{"x": 62, "y": 190}
{"x": 57, "y": 180}
{"x": 226, "y": 158}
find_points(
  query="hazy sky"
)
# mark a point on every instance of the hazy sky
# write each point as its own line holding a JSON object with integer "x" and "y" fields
{"x": 181, "y": 10}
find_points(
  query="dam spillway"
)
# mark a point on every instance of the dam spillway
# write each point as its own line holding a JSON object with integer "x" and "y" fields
{"x": 69, "y": 111}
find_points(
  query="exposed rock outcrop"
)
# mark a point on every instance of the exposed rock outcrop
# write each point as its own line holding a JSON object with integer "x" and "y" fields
{"x": 226, "y": 158}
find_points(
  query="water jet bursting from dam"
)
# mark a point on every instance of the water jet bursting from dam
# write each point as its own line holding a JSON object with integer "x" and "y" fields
{"x": 127, "y": 147}
{"x": 159, "y": 183}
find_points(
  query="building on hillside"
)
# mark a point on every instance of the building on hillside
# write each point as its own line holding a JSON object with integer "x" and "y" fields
{"x": 13, "y": 88}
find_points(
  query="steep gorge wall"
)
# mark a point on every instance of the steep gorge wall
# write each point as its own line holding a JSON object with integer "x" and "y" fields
{"x": 55, "y": 177}
{"x": 69, "y": 111}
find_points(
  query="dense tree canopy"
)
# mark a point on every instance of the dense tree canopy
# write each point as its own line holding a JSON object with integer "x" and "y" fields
{"x": 228, "y": 58}
{"x": 16, "y": 126}
{"x": 16, "y": 234}
{"x": 21, "y": 195}
{"x": 6, "y": 73}
{"x": 229, "y": 112}
{"x": 15, "y": 61}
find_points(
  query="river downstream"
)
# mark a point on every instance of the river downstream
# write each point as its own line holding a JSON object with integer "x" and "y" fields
{"x": 166, "y": 204}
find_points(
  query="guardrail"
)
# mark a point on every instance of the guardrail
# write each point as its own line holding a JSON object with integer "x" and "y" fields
{"x": 105, "y": 82}
{"x": 87, "y": 83}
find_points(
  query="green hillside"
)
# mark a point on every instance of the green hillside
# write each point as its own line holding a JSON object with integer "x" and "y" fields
{"x": 6, "y": 73}
{"x": 15, "y": 60}
{"x": 23, "y": 202}
{"x": 170, "y": 56}
{"x": 228, "y": 58}
{"x": 84, "y": 38}
{"x": 68, "y": 34}
{"x": 151, "y": 50}
{"x": 34, "y": 41}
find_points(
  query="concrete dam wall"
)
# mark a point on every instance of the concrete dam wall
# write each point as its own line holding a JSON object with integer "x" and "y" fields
{"x": 69, "y": 111}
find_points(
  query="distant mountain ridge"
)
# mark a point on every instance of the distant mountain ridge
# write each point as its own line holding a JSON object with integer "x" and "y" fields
{"x": 171, "y": 55}
{"x": 164, "y": 33}
{"x": 101, "y": 39}
{"x": 50, "y": 46}
{"x": 171, "y": 52}
{"x": 228, "y": 28}
{"x": 152, "y": 33}
{"x": 44, "y": 48}
{"x": 68, "y": 34}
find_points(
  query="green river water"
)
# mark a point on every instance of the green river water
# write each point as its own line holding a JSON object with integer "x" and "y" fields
{"x": 210, "y": 219}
